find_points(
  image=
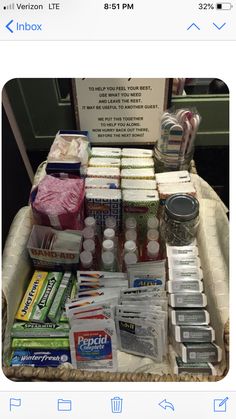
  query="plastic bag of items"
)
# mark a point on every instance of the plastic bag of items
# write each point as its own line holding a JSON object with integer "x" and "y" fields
{"x": 59, "y": 203}
{"x": 69, "y": 153}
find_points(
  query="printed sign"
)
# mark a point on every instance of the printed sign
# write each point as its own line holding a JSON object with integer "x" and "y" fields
{"x": 120, "y": 111}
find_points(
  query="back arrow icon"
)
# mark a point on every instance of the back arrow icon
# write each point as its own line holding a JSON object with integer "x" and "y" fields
{"x": 8, "y": 26}
{"x": 165, "y": 404}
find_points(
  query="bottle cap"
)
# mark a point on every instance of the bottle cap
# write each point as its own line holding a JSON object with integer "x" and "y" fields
{"x": 109, "y": 234}
{"x": 86, "y": 258}
{"x": 108, "y": 245}
{"x": 131, "y": 234}
{"x": 130, "y": 246}
{"x": 153, "y": 249}
{"x": 110, "y": 222}
{"x": 108, "y": 258}
{"x": 182, "y": 207}
{"x": 89, "y": 245}
{"x": 152, "y": 234}
{"x": 152, "y": 222}
{"x": 130, "y": 222}
{"x": 90, "y": 222}
{"x": 88, "y": 233}
{"x": 130, "y": 258}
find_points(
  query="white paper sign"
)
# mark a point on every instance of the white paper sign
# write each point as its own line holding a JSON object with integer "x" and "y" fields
{"x": 121, "y": 110}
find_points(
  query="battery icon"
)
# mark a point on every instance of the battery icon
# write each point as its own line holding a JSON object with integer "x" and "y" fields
{"x": 224, "y": 6}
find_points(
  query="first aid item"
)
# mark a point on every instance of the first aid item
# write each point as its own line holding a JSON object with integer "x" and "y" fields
{"x": 186, "y": 317}
{"x": 31, "y": 296}
{"x": 184, "y": 285}
{"x": 184, "y": 272}
{"x": 198, "y": 352}
{"x": 129, "y": 163}
{"x": 104, "y": 162}
{"x": 193, "y": 333}
{"x": 106, "y": 152}
{"x": 137, "y": 152}
{"x": 107, "y": 172}
{"x": 93, "y": 345}
{"x": 187, "y": 299}
{"x": 40, "y": 358}
{"x": 42, "y": 330}
{"x": 46, "y": 297}
{"x": 59, "y": 202}
{"x": 181, "y": 219}
{"x": 178, "y": 176}
{"x": 138, "y": 184}
{"x": 102, "y": 183}
{"x": 138, "y": 174}
{"x": 54, "y": 249}
{"x": 182, "y": 251}
{"x": 180, "y": 367}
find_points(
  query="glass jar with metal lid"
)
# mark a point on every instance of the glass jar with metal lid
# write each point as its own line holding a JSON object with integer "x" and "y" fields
{"x": 181, "y": 220}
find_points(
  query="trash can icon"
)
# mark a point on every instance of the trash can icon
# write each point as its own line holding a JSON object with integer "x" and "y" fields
{"x": 116, "y": 405}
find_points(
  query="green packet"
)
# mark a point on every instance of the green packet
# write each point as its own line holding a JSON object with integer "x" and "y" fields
{"x": 46, "y": 297}
{"x": 34, "y": 330}
{"x": 62, "y": 294}
{"x": 40, "y": 343}
{"x": 71, "y": 296}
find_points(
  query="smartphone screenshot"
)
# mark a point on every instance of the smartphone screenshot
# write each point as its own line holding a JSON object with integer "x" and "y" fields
{"x": 117, "y": 282}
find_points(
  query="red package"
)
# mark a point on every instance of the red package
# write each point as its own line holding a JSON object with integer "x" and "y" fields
{"x": 59, "y": 203}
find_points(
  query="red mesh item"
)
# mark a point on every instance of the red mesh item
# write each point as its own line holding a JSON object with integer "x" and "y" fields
{"x": 59, "y": 203}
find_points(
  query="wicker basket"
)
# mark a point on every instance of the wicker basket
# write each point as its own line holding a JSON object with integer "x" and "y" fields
{"x": 66, "y": 374}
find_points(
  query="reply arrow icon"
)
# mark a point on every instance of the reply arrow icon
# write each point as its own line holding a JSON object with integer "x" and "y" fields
{"x": 165, "y": 405}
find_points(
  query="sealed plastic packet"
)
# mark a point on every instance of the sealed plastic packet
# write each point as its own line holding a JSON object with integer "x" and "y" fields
{"x": 93, "y": 345}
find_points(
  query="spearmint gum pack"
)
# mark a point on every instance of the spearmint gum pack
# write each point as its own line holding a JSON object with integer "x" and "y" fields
{"x": 43, "y": 358}
{"x": 93, "y": 345}
{"x": 44, "y": 330}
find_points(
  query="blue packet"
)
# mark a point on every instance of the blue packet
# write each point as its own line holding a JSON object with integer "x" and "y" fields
{"x": 35, "y": 358}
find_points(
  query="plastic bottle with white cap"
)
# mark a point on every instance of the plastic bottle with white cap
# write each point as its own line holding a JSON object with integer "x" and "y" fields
{"x": 86, "y": 261}
{"x": 152, "y": 235}
{"x": 130, "y": 258}
{"x": 131, "y": 234}
{"x": 108, "y": 246}
{"x": 89, "y": 246}
{"x": 88, "y": 233}
{"x": 130, "y": 223}
{"x": 108, "y": 261}
{"x": 109, "y": 234}
{"x": 90, "y": 222}
{"x": 110, "y": 222}
{"x": 130, "y": 247}
{"x": 153, "y": 248}
{"x": 152, "y": 222}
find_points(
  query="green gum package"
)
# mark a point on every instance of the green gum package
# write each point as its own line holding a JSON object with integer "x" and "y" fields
{"x": 60, "y": 298}
{"x": 46, "y": 297}
{"x": 40, "y": 343}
